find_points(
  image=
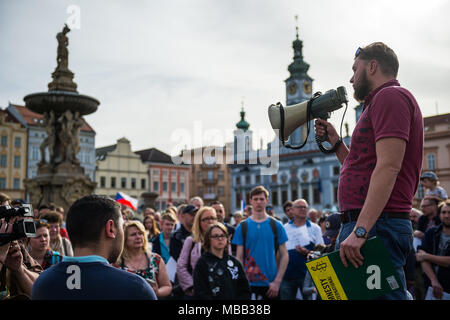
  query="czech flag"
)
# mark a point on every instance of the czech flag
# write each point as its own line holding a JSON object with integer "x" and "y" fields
{"x": 126, "y": 200}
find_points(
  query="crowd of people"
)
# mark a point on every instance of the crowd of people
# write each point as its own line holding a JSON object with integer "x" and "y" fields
{"x": 198, "y": 251}
{"x": 100, "y": 250}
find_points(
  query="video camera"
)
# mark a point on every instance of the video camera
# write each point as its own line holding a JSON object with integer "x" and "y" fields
{"x": 25, "y": 227}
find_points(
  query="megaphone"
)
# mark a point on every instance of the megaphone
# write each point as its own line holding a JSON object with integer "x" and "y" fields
{"x": 285, "y": 120}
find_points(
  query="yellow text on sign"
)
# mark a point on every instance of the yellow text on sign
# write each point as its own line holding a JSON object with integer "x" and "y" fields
{"x": 326, "y": 280}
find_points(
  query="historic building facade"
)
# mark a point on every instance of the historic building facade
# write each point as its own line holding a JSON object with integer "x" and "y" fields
{"x": 13, "y": 155}
{"x": 170, "y": 181}
{"x": 120, "y": 169}
{"x": 436, "y": 151}
{"x": 210, "y": 174}
{"x": 37, "y": 134}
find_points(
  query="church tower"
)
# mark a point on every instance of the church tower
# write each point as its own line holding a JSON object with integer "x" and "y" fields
{"x": 243, "y": 139}
{"x": 298, "y": 86}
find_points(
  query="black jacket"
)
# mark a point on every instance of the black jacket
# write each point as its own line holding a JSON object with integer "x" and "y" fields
{"x": 177, "y": 240}
{"x": 220, "y": 279}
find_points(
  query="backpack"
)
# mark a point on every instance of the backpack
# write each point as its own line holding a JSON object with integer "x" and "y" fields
{"x": 273, "y": 225}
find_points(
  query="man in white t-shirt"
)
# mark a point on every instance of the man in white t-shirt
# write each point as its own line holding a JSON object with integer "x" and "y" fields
{"x": 303, "y": 236}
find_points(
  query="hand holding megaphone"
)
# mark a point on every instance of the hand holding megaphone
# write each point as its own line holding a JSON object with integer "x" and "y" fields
{"x": 285, "y": 120}
{"x": 325, "y": 129}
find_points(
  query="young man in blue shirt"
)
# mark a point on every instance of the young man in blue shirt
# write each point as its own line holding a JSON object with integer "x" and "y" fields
{"x": 257, "y": 250}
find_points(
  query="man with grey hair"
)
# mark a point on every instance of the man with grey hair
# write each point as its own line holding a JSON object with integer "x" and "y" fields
{"x": 197, "y": 201}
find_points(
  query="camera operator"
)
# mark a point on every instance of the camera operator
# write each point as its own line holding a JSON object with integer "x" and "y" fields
{"x": 18, "y": 270}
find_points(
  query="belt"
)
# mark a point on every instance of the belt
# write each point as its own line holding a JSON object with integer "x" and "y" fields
{"x": 352, "y": 215}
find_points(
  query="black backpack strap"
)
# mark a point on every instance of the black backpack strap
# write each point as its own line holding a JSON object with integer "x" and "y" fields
{"x": 273, "y": 225}
{"x": 244, "y": 227}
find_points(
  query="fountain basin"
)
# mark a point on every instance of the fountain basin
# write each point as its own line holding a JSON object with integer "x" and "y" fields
{"x": 60, "y": 102}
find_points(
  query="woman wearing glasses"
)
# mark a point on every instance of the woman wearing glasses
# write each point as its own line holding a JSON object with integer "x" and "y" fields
{"x": 192, "y": 249}
{"x": 218, "y": 275}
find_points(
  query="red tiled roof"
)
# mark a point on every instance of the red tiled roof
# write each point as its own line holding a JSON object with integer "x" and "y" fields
{"x": 32, "y": 118}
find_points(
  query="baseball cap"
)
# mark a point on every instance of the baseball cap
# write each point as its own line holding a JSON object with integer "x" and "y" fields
{"x": 430, "y": 175}
{"x": 332, "y": 225}
{"x": 190, "y": 209}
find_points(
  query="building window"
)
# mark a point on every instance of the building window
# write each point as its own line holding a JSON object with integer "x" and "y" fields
{"x": 156, "y": 172}
{"x": 17, "y": 142}
{"x": 284, "y": 196}
{"x": 16, "y": 184}
{"x": 335, "y": 193}
{"x": 221, "y": 191}
{"x": 3, "y": 160}
{"x": 174, "y": 187}
{"x": 102, "y": 182}
{"x": 182, "y": 187}
{"x": 274, "y": 198}
{"x": 143, "y": 184}
{"x": 2, "y": 183}
{"x": 220, "y": 175}
{"x": 200, "y": 191}
{"x": 35, "y": 153}
{"x": 155, "y": 186}
{"x": 210, "y": 175}
{"x": 165, "y": 173}
{"x": 4, "y": 141}
{"x": 305, "y": 194}
{"x": 133, "y": 183}
{"x": 16, "y": 161}
{"x": 113, "y": 182}
{"x": 247, "y": 180}
{"x": 316, "y": 194}
{"x": 199, "y": 175}
{"x": 257, "y": 179}
{"x": 123, "y": 182}
{"x": 238, "y": 200}
{"x": 165, "y": 186}
{"x": 431, "y": 161}
{"x": 294, "y": 194}
{"x": 238, "y": 180}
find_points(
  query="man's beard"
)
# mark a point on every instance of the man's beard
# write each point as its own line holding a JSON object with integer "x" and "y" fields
{"x": 363, "y": 88}
{"x": 116, "y": 250}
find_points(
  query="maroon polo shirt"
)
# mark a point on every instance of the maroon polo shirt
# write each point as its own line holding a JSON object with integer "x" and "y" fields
{"x": 389, "y": 111}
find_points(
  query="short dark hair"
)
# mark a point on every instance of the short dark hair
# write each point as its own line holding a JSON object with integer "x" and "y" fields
{"x": 287, "y": 204}
{"x": 386, "y": 57}
{"x": 87, "y": 217}
{"x": 52, "y": 217}
{"x": 258, "y": 190}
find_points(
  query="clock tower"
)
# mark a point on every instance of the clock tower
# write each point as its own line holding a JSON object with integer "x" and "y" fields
{"x": 298, "y": 87}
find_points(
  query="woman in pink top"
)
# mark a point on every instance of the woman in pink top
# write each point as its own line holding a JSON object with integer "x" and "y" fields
{"x": 192, "y": 248}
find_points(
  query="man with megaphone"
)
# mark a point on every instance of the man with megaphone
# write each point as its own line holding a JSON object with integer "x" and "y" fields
{"x": 381, "y": 170}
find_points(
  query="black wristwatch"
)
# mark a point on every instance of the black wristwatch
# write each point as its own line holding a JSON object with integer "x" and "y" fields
{"x": 360, "y": 232}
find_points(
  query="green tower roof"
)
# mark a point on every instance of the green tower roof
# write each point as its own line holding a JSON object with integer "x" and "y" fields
{"x": 298, "y": 67}
{"x": 244, "y": 125}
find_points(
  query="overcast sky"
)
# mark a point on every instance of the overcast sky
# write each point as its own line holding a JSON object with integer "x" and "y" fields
{"x": 169, "y": 72}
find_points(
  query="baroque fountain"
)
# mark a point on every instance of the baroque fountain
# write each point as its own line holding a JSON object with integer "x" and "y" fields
{"x": 60, "y": 178}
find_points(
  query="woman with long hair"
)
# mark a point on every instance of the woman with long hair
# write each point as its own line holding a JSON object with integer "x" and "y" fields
{"x": 137, "y": 258}
{"x": 192, "y": 249}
